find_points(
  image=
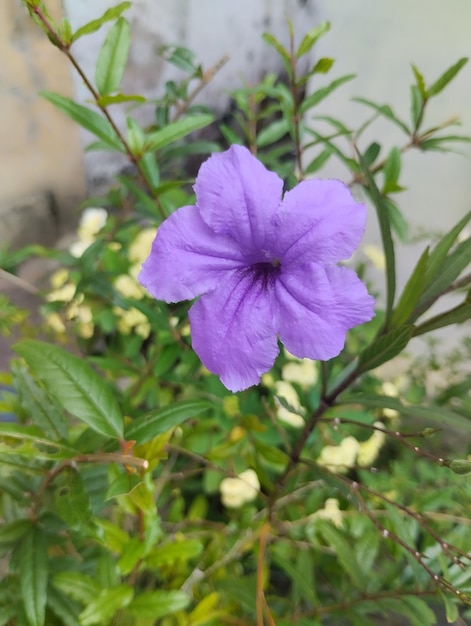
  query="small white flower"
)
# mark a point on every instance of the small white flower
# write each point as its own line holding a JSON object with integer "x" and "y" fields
{"x": 140, "y": 248}
{"x": 129, "y": 287}
{"x": 368, "y": 450}
{"x": 91, "y": 222}
{"x": 304, "y": 372}
{"x": 376, "y": 256}
{"x": 341, "y": 458}
{"x": 330, "y": 512}
{"x": 244, "y": 488}
{"x": 286, "y": 391}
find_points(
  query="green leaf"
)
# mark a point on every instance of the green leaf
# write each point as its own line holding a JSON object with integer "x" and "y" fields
{"x": 77, "y": 586}
{"x": 416, "y": 107}
{"x": 33, "y": 570}
{"x": 391, "y": 171}
{"x": 155, "y": 423}
{"x": 65, "y": 609}
{"x": 112, "y": 57}
{"x": 36, "y": 436}
{"x": 386, "y": 111}
{"x": 75, "y": 385}
{"x": 150, "y": 169}
{"x": 43, "y": 412}
{"x": 284, "y": 54}
{"x": 431, "y": 413}
{"x": 184, "y": 550}
{"x": 385, "y": 348}
{"x": 420, "y": 82}
{"x": 177, "y": 130}
{"x": 105, "y": 606}
{"x": 297, "y": 577}
{"x": 385, "y": 229}
{"x": 319, "y": 161}
{"x": 398, "y": 224}
{"x": 94, "y": 25}
{"x": 439, "y": 253}
{"x": 412, "y": 292}
{"x": 86, "y": 118}
{"x": 136, "y": 137}
{"x": 344, "y": 552}
{"x": 451, "y": 608}
{"x": 439, "y": 143}
{"x": 311, "y": 37}
{"x": 322, "y": 66}
{"x": 273, "y": 133}
{"x": 10, "y": 533}
{"x": 371, "y": 153}
{"x": 181, "y": 57}
{"x": 156, "y": 604}
{"x": 446, "y": 77}
{"x": 119, "y": 98}
{"x": 457, "y": 315}
{"x": 71, "y": 499}
{"x": 450, "y": 269}
{"x": 323, "y": 92}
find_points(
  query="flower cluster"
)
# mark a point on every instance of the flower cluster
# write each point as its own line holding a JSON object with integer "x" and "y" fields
{"x": 75, "y": 307}
{"x": 263, "y": 266}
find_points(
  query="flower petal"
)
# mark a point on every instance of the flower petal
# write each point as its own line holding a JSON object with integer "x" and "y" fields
{"x": 315, "y": 307}
{"x": 319, "y": 221}
{"x": 187, "y": 258}
{"x": 232, "y": 331}
{"x": 238, "y": 196}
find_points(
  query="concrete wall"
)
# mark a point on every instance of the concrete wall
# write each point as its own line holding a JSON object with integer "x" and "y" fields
{"x": 378, "y": 41}
{"x": 212, "y": 29}
{"x": 40, "y": 157}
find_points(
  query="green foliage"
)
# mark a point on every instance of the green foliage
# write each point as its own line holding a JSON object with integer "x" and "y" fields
{"x": 114, "y": 472}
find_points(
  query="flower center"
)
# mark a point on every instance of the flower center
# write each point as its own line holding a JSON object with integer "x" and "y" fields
{"x": 265, "y": 272}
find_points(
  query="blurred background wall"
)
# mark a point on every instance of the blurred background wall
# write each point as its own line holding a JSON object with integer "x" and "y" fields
{"x": 41, "y": 152}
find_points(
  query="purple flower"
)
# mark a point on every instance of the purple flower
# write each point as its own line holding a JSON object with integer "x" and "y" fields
{"x": 264, "y": 267}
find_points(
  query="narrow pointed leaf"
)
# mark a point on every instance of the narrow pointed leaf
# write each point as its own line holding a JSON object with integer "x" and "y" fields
{"x": 118, "y": 98}
{"x": 439, "y": 253}
{"x": 446, "y": 77}
{"x": 371, "y": 153}
{"x": 85, "y": 117}
{"x": 156, "y": 604}
{"x": 411, "y": 294}
{"x": 112, "y": 57}
{"x": 106, "y": 605}
{"x": 416, "y": 107}
{"x": 437, "y": 414}
{"x": 391, "y": 171}
{"x": 450, "y": 269}
{"x": 311, "y": 38}
{"x": 94, "y": 25}
{"x": 44, "y": 413}
{"x": 420, "y": 82}
{"x": 386, "y": 111}
{"x": 177, "y": 130}
{"x": 457, "y": 315}
{"x": 385, "y": 229}
{"x": 385, "y": 348}
{"x": 323, "y": 92}
{"x": 33, "y": 568}
{"x": 284, "y": 54}
{"x": 74, "y": 384}
{"x": 155, "y": 423}
{"x": 345, "y": 554}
